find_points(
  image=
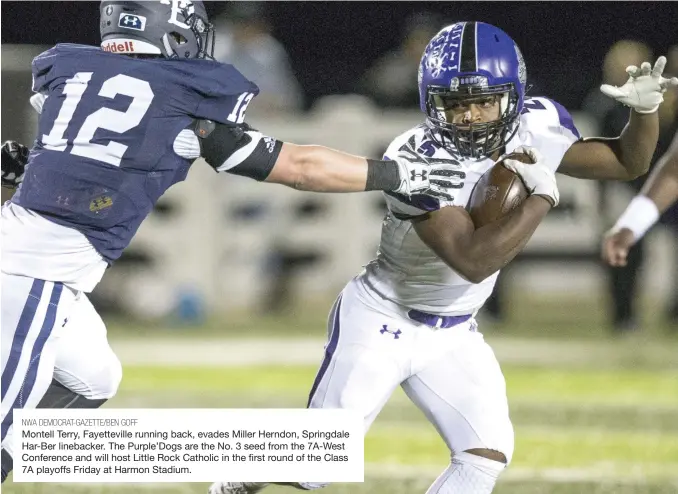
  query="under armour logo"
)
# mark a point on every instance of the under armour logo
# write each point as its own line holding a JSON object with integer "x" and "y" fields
{"x": 131, "y": 21}
{"x": 414, "y": 175}
{"x": 396, "y": 334}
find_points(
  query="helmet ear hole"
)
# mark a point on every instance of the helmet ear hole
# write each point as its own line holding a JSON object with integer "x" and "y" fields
{"x": 178, "y": 37}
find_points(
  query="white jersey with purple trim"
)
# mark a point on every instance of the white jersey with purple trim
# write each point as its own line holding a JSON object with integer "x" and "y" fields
{"x": 406, "y": 270}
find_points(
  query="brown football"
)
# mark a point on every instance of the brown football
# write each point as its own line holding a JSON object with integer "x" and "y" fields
{"x": 497, "y": 192}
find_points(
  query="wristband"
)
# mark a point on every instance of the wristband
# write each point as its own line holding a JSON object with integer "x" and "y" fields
{"x": 382, "y": 175}
{"x": 640, "y": 215}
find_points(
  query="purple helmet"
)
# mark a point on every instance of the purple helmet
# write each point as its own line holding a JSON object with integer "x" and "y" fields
{"x": 468, "y": 60}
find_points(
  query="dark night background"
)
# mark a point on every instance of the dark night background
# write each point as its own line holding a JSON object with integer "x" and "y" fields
{"x": 332, "y": 43}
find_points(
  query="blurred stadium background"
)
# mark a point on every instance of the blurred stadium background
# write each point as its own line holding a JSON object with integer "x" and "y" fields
{"x": 221, "y": 299}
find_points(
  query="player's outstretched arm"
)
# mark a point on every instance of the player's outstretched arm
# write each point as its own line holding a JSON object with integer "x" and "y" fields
{"x": 247, "y": 152}
{"x": 479, "y": 253}
{"x": 657, "y": 195}
{"x": 321, "y": 169}
{"x": 627, "y": 156}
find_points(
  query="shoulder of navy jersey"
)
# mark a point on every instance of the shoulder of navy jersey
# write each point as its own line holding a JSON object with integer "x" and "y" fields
{"x": 221, "y": 87}
{"x": 199, "y": 88}
{"x": 545, "y": 111}
{"x": 45, "y": 62}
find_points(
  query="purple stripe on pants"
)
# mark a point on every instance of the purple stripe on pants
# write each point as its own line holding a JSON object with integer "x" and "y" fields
{"x": 329, "y": 351}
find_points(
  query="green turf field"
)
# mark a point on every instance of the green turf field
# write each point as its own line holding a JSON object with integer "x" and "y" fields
{"x": 603, "y": 421}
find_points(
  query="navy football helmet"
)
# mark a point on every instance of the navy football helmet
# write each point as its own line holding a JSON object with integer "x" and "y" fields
{"x": 169, "y": 28}
{"x": 472, "y": 60}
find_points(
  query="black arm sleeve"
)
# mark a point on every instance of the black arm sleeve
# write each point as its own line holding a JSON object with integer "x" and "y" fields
{"x": 382, "y": 175}
{"x": 238, "y": 149}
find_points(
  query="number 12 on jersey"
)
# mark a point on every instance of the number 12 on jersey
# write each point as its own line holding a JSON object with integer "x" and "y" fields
{"x": 104, "y": 118}
{"x": 238, "y": 113}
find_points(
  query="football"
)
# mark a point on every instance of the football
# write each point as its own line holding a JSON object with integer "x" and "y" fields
{"x": 497, "y": 192}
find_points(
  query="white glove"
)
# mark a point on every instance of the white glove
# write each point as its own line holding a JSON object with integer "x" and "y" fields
{"x": 419, "y": 174}
{"x": 538, "y": 178}
{"x": 644, "y": 91}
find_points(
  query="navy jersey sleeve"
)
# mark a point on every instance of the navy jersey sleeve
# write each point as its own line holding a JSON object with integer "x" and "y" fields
{"x": 223, "y": 93}
{"x": 45, "y": 67}
{"x": 41, "y": 68}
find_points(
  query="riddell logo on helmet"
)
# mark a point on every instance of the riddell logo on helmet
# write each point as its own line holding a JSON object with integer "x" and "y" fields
{"x": 113, "y": 47}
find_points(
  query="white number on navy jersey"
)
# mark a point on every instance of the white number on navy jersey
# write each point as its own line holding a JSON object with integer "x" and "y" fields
{"x": 238, "y": 113}
{"x": 104, "y": 118}
{"x": 73, "y": 90}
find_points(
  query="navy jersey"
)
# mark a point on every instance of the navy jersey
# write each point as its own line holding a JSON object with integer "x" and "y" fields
{"x": 104, "y": 152}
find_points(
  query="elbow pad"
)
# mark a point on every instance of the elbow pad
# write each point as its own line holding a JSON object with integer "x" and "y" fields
{"x": 237, "y": 149}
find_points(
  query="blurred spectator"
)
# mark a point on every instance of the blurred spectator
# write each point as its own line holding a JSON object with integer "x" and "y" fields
{"x": 244, "y": 40}
{"x": 622, "y": 54}
{"x": 623, "y": 281}
{"x": 392, "y": 80}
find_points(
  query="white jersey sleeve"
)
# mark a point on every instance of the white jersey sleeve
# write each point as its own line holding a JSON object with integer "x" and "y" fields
{"x": 546, "y": 125}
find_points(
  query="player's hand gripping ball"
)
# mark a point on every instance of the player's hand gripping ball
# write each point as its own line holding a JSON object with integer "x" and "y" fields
{"x": 498, "y": 192}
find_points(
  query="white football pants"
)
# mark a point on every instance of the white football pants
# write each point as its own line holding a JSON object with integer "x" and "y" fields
{"x": 50, "y": 331}
{"x": 451, "y": 374}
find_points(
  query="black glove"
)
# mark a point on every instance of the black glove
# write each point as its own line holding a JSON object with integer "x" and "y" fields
{"x": 14, "y": 158}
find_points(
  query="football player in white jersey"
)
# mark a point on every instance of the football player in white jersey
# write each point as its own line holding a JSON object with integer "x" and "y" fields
{"x": 657, "y": 195}
{"x": 408, "y": 319}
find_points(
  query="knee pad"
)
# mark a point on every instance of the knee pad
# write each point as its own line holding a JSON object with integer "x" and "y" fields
{"x": 502, "y": 440}
{"x": 109, "y": 382}
{"x": 94, "y": 382}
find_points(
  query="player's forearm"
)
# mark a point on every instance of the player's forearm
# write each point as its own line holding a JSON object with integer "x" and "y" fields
{"x": 662, "y": 184}
{"x": 321, "y": 169}
{"x": 658, "y": 194}
{"x": 474, "y": 253}
{"x": 637, "y": 143}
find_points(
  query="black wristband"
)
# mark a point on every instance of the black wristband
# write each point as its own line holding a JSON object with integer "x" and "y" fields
{"x": 382, "y": 175}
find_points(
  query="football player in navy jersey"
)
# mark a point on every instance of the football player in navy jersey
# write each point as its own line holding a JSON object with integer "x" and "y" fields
{"x": 118, "y": 126}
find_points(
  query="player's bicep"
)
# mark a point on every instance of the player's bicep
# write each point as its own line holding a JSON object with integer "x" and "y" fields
{"x": 594, "y": 158}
